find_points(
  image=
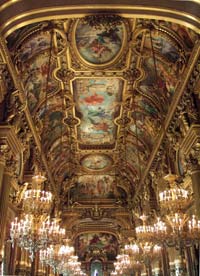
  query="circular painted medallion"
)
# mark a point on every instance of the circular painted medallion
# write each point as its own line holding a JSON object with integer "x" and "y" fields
{"x": 99, "y": 46}
{"x": 96, "y": 162}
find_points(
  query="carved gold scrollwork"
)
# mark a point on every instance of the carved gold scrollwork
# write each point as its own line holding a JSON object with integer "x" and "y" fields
{"x": 65, "y": 74}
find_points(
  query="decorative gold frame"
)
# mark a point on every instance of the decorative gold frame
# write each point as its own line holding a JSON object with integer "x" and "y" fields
{"x": 103, "y": 65}
{"x": 107, "y": 168}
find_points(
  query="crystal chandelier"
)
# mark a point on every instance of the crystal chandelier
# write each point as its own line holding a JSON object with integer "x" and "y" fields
{"x": 150, "y": 233}
{"x": 56, "y": 255}
{"x": 62, "y": 259}
{"x": 36, "y": 201}
{"x": 122, "y": 264}
{"x": 194, "y": 228}
{"x": 32, "y": 235}
{"x": 132, "y": 249}
{"x": 174, "y": 199}
{"x": 145, "y": 232}
{"x": 71, "y": 267}
{"x": 35, "y": 230}
{"x": 134, "y": 257}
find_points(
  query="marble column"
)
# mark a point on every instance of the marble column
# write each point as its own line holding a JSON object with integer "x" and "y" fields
{"x": 4, "y": 199}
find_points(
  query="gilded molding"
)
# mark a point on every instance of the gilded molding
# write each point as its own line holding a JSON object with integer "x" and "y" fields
{"x": 8, "y": 136}
{"x": 191, "y": 140}
{"x": 68, "y": 11}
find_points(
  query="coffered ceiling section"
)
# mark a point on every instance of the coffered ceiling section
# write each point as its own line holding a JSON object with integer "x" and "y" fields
{"x": 99, "y": 89}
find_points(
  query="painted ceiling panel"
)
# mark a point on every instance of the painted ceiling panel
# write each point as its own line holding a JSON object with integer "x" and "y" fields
{"x": 97, "y": 105}
{"x": 102, "y": 94}
{"x": 99, "y": 45}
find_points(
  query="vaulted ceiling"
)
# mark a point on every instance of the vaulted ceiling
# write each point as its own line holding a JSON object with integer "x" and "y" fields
{"x": 100, "y": 91}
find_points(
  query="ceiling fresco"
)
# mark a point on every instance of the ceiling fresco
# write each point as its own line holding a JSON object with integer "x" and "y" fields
{"x": 99, "y": 90}
{"x": 99, "y": 45}
{"x": 97, "y": 105}
{"x": 96, "y": 162}
{"x": 99, "y": 242}
{"x": 95, "y": 186}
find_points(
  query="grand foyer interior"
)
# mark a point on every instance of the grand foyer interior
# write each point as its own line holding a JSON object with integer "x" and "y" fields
{"x": 99, "y": 138}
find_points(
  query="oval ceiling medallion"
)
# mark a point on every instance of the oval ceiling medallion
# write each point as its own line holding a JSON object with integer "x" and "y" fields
{"x": 99, "y": 46}
{"x": 96, "y": 162}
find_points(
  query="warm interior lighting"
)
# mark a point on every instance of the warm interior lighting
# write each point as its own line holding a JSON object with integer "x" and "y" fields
{"x": 32, "y": 235}
{"x": 37, "y": 201}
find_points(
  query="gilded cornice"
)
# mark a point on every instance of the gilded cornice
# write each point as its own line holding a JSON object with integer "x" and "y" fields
{"x": 16, "y": 14}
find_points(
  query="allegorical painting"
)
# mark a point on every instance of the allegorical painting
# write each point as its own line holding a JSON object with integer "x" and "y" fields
{"x": 89, "y": 187}
{"x": 97, "y": 105}
{"x": 96, "y": 161}
{"x": 55, "y": 127}
{"x": 144, "y": 127}
{"x": 35, "y": 79}
{"x": 163, "y": 46}
{"x": 97, "y": 187}
{"x": 99, "y": 46}
{"x": 103, "y": 242}
{"x": 186, "y": 35}
{"x": 34, "y": 46}
{"x": 137, "y": 154}
{"x": 159, "y": 82}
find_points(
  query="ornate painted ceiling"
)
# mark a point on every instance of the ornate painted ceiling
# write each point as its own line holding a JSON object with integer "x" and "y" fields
{"x": 100, "y": 90}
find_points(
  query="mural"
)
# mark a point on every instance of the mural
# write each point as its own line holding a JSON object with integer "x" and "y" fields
{"x": 158, "y": 85}
{"x": 55, "y": 127}
{"x": 144, "y": 127}
{"x": 96, "y": 161}
{"x": 162, "y": 45}
{"x": 35, "y": 80}
{"x": 98, "y": 46}
{"x": 34, "y": 46}
{"x": 144, "y": 105}
{"x": 137, "y": 154}
{"x": 97, "y": 105}
{"x": 95, "y": 186}
{"x": 186, "y": 35}
{"x": 104, "y": 242}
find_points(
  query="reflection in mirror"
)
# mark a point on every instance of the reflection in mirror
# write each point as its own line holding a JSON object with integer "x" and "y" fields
{"x": 96, "y": 268}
